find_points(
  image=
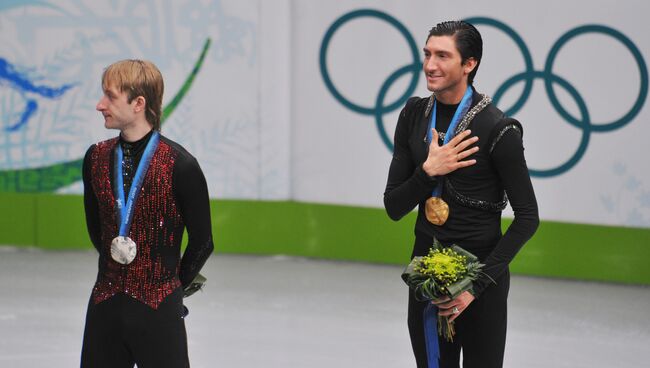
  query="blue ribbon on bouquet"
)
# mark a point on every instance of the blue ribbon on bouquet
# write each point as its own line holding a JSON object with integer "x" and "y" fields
{"x": 431, "y": 334}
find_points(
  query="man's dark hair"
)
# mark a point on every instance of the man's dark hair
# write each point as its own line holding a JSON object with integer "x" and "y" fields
{"x": 468, "y": 41}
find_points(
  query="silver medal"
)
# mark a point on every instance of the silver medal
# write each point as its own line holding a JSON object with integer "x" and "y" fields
{"x": 123, "y": 250}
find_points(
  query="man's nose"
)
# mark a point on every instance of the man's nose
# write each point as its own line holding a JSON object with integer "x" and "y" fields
{"x": 430, "y": 64}
{"x": 100, "y": 105}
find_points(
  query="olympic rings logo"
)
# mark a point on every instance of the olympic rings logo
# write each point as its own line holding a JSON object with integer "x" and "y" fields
{"x": 583, "y": 122}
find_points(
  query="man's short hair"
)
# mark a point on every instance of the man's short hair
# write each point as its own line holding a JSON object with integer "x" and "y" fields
{"x": 138, "y": 78}
{"x": 468, "y": 41}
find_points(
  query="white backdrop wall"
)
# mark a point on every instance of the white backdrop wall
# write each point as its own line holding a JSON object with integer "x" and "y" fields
{"x": 233, "y": 119}
{"x": 264, "y": 125}
{"x": 338, "y": 155}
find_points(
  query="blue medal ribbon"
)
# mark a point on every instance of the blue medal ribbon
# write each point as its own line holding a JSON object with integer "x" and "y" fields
{"x": 431, "y": 310}
{"x": 461, "y": 110}
{"x": 125, "y": 208}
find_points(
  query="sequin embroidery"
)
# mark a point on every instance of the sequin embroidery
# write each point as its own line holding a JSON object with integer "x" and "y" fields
{"x": 157, "y": 230}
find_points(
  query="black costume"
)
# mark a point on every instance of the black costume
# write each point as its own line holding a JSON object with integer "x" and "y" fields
{"x": 475, "y": 195}
{"x": 135, "y": 313}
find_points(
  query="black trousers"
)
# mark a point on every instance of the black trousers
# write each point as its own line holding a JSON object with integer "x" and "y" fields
{"x": 122, "y": 331}
{"x": 480, "y": 330}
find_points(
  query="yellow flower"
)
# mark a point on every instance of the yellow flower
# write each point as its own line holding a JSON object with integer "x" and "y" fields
{"x": 445, "y": 266}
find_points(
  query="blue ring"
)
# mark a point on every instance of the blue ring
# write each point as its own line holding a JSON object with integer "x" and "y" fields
{"x": 528, "y": 76}
{"x": 379, "y": 116}
{"x": 525, "y": 52}
{"x": 586, "y": 126}
{"x": 379, "y": 109}
{"x": 643, "y": 71}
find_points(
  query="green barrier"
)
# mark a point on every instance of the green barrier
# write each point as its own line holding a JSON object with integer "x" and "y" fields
{"x": 18, "y": 219}
{"x": 576, "y": 251}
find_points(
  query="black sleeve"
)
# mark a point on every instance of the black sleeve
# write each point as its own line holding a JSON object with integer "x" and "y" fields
{"x": 91, "y": 206}
{"x": 191, "y": 192}
{"x": 508, "y": 159}
{"x": 407, "y": 183}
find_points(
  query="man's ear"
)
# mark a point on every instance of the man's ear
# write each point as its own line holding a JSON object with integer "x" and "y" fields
{"x": 469, "y": 65}
{"x": 140, "y": 104}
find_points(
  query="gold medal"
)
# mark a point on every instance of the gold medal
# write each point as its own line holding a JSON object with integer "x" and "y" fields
{"x": 436, "y": 210}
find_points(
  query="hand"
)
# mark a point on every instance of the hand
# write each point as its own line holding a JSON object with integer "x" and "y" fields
{"x": 446, "y": 306}
{"x": 449, "y": 157}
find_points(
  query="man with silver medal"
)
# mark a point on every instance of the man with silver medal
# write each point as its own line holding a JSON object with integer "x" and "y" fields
{"x": 141, "y": 191}
{"x": 123, "y": 248}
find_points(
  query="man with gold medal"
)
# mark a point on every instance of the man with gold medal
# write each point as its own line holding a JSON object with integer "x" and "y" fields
{"x": 141, "y": 191}
{"x": 459, "y": 159}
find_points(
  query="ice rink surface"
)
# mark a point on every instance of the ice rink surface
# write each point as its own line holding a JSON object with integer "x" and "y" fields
{"x": 289, "y": 312}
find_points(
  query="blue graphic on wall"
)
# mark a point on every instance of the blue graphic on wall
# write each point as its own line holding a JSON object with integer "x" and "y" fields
{"x": 21, "y": 82}
{"x": 52, "y": 55}
{"x": 8, "y": 4}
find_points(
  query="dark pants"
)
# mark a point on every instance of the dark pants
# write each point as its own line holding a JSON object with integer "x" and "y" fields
{"x": 122, "y": 331}
{"x": 480, "y": 330}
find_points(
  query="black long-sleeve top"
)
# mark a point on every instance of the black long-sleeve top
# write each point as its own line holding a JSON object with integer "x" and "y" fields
{"x": 500, "y": 167}
{"x": 190, "y": 193}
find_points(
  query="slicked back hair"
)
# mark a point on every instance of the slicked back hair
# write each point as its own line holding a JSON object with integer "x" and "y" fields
{"x": 468, "y": 41}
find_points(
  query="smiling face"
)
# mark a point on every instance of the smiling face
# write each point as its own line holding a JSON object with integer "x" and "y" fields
{"x": 444, "y": 69}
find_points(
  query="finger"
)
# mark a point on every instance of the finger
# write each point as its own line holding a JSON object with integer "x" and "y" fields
{"x": 459, "y": 137}
{"x": 466, "y": 143}
{"x": 467, "y": 153}
{"x": 464, "y": 163}
{"x": 448, "y": 312}
{"x": 440, "y": 300}
{"x": 434, "y": 137}
{"x": 446, "y": 305}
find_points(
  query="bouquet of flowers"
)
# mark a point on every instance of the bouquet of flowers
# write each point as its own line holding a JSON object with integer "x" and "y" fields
{"x": 445, "y": 271}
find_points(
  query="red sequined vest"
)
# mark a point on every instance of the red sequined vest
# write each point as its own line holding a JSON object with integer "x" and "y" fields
{"x": 157, "y": 229}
